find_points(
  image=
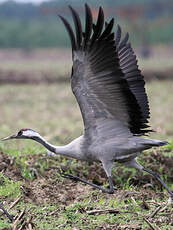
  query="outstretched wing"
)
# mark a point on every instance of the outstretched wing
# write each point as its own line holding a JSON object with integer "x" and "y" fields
{"x": 109, "y": 95}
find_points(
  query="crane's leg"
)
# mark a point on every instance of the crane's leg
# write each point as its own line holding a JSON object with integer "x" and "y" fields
{"x": 10, "y": 217}
{"x": 76, "y": 178}
{"x": 134, "y": 164}
{"x": 108, "y": 172}
{"x": 157, "y": 177}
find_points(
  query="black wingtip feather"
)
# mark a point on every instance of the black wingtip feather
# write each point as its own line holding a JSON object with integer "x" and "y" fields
{"x": 118, "y": 35}
{"x": 100, "y": 21}
{"x": 78, "y": 26}
{"x": 99, "y": 25}
{"x": 89, "y": 23}
{"x": 108, "y": 29}
{"x": 124, "y": 41}
{"x": 70, "y": 32}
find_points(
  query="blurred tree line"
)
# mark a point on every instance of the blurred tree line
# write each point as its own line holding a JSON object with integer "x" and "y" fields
{"x": 28, "y": 25}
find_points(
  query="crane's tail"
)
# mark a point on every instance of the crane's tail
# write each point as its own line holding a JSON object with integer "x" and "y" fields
{"x": 150, "y": 143}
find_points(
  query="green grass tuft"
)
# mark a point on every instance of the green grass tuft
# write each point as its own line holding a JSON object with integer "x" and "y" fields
{"x": 9, "y": 188}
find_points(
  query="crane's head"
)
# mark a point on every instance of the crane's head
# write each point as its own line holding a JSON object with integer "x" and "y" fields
{"x": 23, "y": 134}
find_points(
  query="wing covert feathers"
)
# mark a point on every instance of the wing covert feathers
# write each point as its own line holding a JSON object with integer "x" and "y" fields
{"x": 106, "y": 80}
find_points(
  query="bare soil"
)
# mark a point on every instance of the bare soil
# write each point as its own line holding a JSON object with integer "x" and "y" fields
{"x": 49, "y": 187}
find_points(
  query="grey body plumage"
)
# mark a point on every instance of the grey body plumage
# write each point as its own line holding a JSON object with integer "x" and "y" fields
{"x": 109, "y": 89}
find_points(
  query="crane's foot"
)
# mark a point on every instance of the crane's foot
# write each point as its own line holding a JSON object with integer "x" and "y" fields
{"x": 69, "y": 176}
{"x": 157, "y": 177}
{"x": 76, "y": 178}
{"x": 10, "y": 217}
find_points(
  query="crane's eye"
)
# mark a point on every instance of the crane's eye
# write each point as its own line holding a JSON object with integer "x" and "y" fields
{"x": 20, "y": 133}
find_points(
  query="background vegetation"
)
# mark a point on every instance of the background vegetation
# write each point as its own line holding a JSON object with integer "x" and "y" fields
{"x": 29, "y": 25}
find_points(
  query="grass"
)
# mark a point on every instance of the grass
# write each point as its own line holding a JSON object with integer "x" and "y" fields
{"x": 52, "y": 202}
{"x": 36, "y": 60}
{"x": 159, "y": 61}
{"x": 55, "y": 64}
{"x": 160, "y": 97}
{"x": 128, "y": 213}
{"x": 9, "y": 188}
{"x": 46, "y": 108}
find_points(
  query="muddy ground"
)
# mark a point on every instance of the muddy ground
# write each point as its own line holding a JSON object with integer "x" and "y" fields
{"x": 48, "y": 186}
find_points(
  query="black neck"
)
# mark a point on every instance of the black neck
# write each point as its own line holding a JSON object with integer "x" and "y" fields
{"x": 45, "y": 144}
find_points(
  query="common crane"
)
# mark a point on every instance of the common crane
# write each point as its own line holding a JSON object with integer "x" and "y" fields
{"x": 109, "y": 89}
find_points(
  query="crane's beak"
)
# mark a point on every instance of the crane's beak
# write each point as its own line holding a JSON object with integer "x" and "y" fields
{"x": 9, "y": 137}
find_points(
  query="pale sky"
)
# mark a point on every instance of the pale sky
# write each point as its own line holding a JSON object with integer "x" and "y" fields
{"x": 34, "y": 1}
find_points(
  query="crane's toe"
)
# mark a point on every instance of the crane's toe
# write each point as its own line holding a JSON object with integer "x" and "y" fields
{"x": 69, "y": 176}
